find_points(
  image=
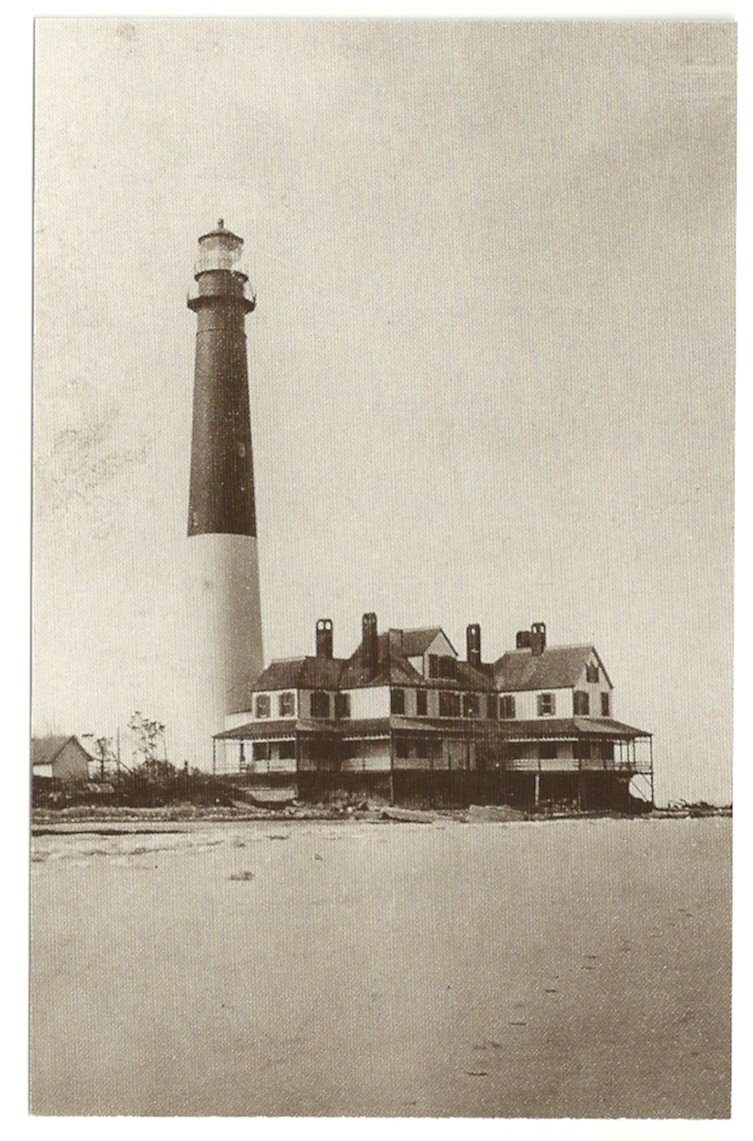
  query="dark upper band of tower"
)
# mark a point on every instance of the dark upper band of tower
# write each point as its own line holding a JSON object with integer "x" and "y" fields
{"x": 221, "y": 499}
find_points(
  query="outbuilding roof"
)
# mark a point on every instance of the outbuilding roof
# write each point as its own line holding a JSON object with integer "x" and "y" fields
{"x": 558, "y": 667}
{"x": 46, "y": 750}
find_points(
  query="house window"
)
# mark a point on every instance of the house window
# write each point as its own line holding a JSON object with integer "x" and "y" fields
{"x": 423, "y": 748}
{"x": 492, "y": 706}
{"x": 449, "y": 704}
{"x": 607, "y": 750}
{"x": 342, "y": 705}
{"x": 545, "y": 704}
{"x": 441, "y": 665}
{"x": 471, "y": 705}
{"x": 287, "y": 750}
{"x": 397, "y": 701}
{"x": 422, "y": 703}
{"x": 351, "y": 750}
{"x": 580, "y": 703}
{"x": 547, "y": 750}
{"x": 263, "y": 706}
{"x": 606, "y": 705}
{"x": 507, "y": 706}
{"x": 402, "y": 749}
{"x": 286, "y": 704}
{"x": 592, "y": 674}
{"x": 261, "y": 750}
{"x": 319, "y": 704}
{"x": 582, "y": 750}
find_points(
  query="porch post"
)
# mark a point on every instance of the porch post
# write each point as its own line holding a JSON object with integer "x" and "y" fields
{"x": 431, "y": 772}
{"x": 392, "y": 767}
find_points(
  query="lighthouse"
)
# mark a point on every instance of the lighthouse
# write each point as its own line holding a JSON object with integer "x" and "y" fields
{"x": 222, "y": 552}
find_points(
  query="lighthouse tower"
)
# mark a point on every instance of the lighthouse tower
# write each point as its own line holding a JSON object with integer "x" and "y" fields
{"x": 222, "y": 553}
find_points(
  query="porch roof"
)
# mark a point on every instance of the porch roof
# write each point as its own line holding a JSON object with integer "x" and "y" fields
{"x": 570, "y": 727}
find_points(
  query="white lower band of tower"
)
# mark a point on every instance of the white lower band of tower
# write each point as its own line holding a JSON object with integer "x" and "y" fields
{"x": 223, "y": 635}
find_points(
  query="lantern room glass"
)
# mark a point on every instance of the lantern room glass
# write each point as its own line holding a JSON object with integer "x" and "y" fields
{"x": 219, "y": 250}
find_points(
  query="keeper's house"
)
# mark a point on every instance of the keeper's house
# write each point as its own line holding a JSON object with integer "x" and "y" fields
{"x": 407, "y": 719}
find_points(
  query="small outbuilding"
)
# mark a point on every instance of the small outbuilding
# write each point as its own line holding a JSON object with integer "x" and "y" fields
{"x": 59, "y": 758}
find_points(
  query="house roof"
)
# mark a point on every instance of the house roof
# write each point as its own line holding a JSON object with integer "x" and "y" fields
{"x": 301, "y": 673}
{"x": 558, "y": 667}
{"x": 468, "y": 677}
{"x": 393, "y": 667}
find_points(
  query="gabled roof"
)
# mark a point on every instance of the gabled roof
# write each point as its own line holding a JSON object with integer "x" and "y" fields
{"x": 393, "y": 668}
{"x": 557, "y": 668}
{"x": 301, "y": 673}
{"x": 417, "y": 642}
{"x": 46, "y": 750}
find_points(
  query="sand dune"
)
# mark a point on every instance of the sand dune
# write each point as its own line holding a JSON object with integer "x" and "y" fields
{"x": 570, "y": 968}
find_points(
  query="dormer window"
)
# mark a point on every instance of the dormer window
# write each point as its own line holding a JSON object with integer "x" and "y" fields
{"x": 263, "y": 705}
{"x": 441, "y": 666}
{"x": 592, "y": 674}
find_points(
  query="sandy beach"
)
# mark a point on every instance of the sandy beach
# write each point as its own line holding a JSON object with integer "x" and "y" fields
{"x": 573, "y": 968}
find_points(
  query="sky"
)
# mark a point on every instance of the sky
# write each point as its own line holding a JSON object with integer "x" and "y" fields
{"x": 491, "y": 365}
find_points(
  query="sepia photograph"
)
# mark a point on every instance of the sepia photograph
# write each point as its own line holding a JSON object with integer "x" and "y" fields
{"x": 382, "y": 622}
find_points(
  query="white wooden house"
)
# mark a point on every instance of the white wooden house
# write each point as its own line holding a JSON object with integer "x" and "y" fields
{"x": 405, "y": 716}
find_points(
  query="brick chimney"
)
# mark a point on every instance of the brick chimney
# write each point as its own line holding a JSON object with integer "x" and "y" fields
{"x": 369, "y": 642}
{"x": 324, "y": 638}
{"x": 473, "y": 644}
{"x": 538, "y": 639}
